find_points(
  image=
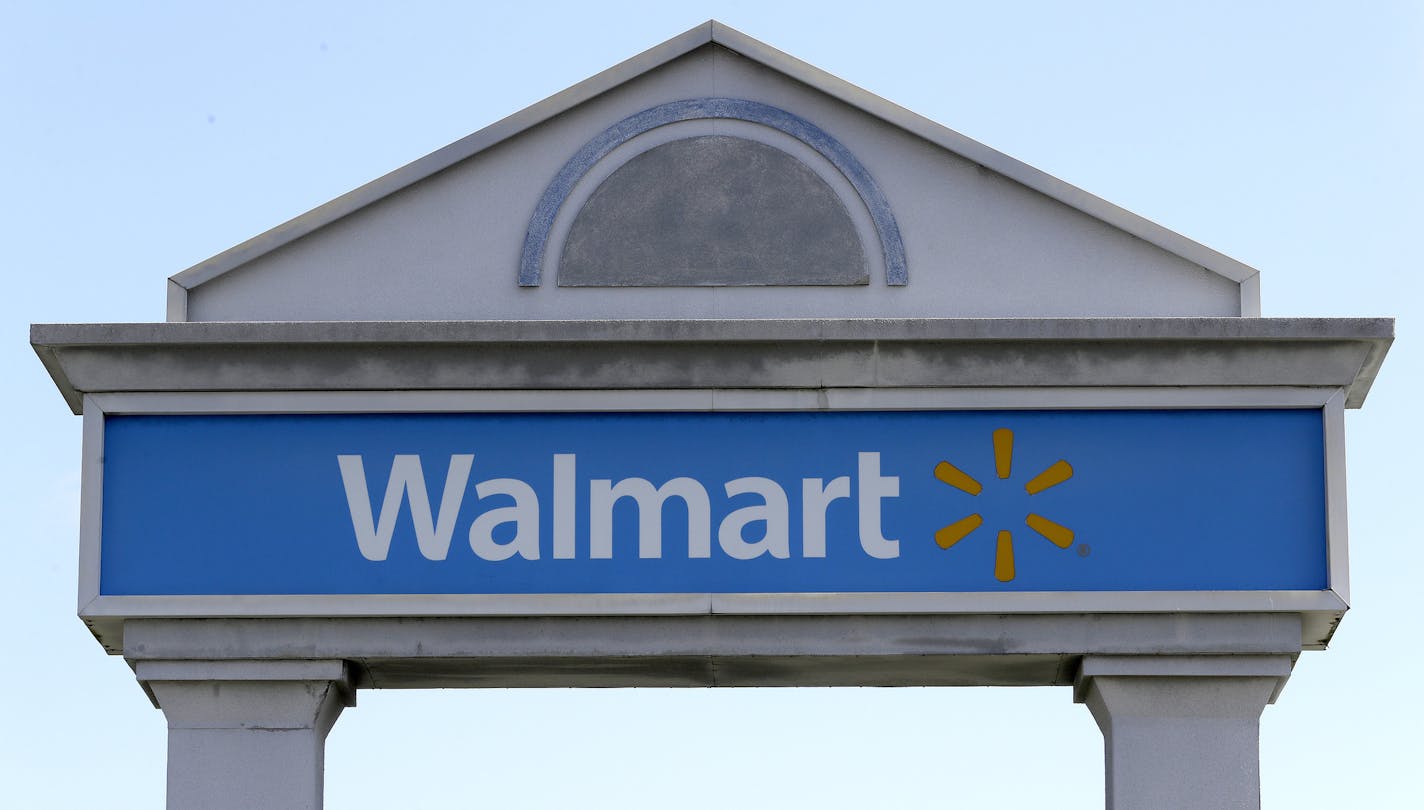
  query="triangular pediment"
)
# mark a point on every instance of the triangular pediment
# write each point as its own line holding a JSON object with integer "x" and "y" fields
{"x": 714, "y": 176}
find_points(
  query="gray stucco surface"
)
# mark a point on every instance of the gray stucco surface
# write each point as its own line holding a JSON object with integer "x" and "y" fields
{"x": 709, "y": 211}
{"x": 804, "y": 354}
{"x": 1024, "y": 650}
{"x": 1181, "y": 733}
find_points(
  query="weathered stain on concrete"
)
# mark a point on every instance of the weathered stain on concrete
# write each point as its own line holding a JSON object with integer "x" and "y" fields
{"x": 713, "y": 210}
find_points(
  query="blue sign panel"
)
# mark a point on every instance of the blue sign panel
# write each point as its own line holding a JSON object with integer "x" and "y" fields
{"x": 953, "y": 501}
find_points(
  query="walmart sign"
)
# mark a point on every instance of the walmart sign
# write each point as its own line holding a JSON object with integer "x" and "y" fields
{"x": 953, "y": 501}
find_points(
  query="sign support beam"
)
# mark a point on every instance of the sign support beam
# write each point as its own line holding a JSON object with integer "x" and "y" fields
{"x": 1181, "y": 731}
{"x": 244, "y": 734}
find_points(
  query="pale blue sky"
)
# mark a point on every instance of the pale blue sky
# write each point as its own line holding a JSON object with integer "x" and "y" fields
{"x": 138, "y": 139}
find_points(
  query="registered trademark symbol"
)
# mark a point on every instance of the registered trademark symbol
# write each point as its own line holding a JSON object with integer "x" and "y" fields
{"x": 1084, "y": 549}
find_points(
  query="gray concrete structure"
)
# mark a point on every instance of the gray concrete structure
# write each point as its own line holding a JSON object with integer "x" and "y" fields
{"x": 1182, "y": 731}
{"x": 984, "y": 235}
{"x": 247, "y": 733}
{"x": 1019, "y": 292}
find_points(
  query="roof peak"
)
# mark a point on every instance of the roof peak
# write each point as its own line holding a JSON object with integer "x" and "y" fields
{"x": 711, "y": 32}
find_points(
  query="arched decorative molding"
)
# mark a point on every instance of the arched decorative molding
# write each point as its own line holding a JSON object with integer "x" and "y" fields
{"x": 536, "y": 237}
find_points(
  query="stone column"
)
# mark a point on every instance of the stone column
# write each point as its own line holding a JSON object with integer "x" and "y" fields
{"x": 1181, "y": 731}
{"x": 247, "y": 734}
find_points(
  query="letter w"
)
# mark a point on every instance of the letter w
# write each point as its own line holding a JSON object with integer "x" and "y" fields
{"x": 374, "y": 536}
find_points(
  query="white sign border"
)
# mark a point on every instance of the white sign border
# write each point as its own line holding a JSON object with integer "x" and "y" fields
{"x": 1328, "y": 604}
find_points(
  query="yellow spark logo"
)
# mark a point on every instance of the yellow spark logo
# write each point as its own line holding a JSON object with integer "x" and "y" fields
{"x": 1057, "y": 472}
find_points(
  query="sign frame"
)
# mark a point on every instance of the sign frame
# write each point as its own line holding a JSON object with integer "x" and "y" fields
{"x": 1320, "y": 610}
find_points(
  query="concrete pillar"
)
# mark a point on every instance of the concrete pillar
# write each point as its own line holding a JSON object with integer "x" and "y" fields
{"x": 1181, "y": 731}
{"x": 246, "y": 734}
